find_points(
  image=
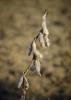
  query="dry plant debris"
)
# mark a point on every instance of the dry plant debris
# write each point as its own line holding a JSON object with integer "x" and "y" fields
{"x": 35, "y": 66}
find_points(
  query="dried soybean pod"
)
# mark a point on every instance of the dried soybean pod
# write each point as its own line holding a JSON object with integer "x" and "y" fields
{"x": 44, "y": 26}
{"x": 41, "y": 39}
{"x": 46, "y": 39}
{"x": 37, "y": 65}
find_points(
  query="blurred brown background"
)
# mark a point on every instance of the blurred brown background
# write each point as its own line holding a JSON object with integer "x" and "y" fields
{"x": 20, "y": 20}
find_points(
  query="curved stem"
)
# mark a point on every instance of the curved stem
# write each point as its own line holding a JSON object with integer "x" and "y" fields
{"x": 26, "y": 71}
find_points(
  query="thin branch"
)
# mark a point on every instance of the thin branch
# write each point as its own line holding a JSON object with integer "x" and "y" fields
{"x": 26, "y": 71}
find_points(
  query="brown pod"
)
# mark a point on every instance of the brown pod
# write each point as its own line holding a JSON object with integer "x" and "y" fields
{"x": 23, "y": 82}
{"x": 46, "y": 39}
{"x": 35, "y": 51}
{"x": 41, "y": 39}
{"x": 38, "y": 54}
{"x": 44, "y": 26}
{"x": 35, "y": 67}
{"x": 34, "y": 46}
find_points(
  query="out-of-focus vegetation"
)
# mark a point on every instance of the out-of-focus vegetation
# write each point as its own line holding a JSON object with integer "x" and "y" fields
{"x": 20, "y": 20}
